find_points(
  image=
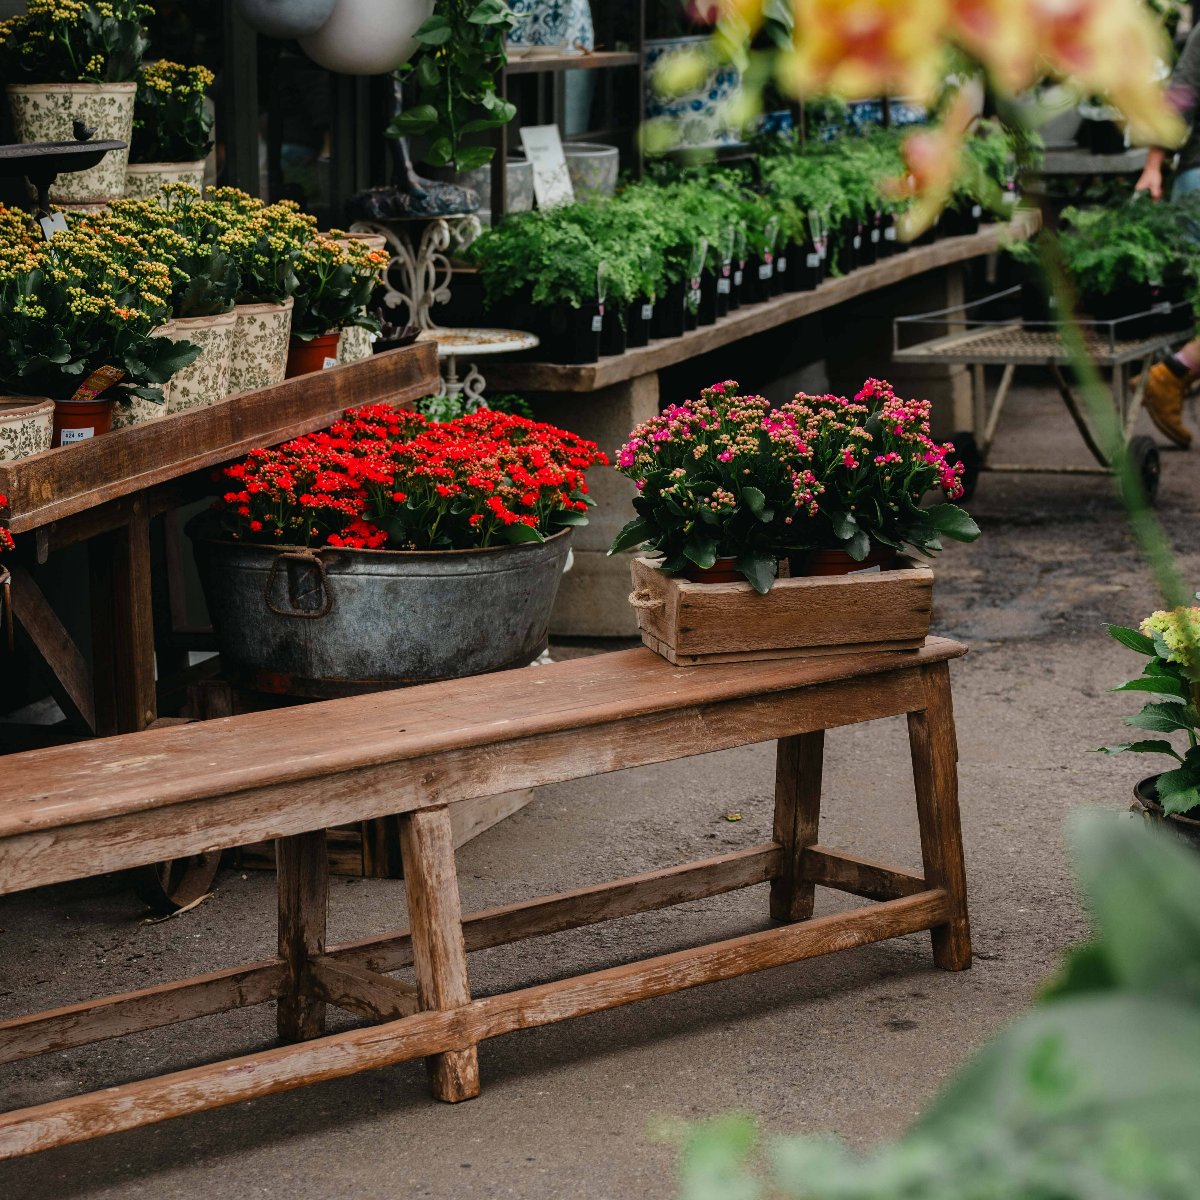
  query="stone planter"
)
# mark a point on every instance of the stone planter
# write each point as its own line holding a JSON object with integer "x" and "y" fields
{"x": 147, "y": 179}
{"x": 206, "y": 380}
{"x": 259, "y": 349}
{"x": 44, "y": 112}
{"x": 337, "y": 621}
{"x": 26, "y": 426}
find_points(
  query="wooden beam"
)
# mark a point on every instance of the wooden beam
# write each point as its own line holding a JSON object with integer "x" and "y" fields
{"x": 303, "y": 866}
{"x": 798, "y": 765}
{"x": 130, "y": 1106}
{"x": 365, "y": 993}
{"x": 858, "y": 876}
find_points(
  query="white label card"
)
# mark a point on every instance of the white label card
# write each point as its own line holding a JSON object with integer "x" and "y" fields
{"x": 764, "y": 271}
{"x": 890, "y": 233}
{"x": 551, "y": 182}
{"x": 738, "y": 276}
{"x": 647, "y": 312}
{"x": 874, "y": 235}
{"x": 782, "y": 264}
{"x": 77, "y": 435}
{"x": 875, "y": 570}
{"x": 52, "y": 225}
{"x": 977, "y": 211}
{"x": 858, "y": 241}
{"x": 597, "y": 323}
{"x": 723, "y": 286}
{"x": 327, "y": 363}
{"x": 812, "y": 261}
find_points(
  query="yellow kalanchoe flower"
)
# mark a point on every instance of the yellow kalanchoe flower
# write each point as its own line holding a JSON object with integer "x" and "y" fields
{"x": 1180, "y": 629}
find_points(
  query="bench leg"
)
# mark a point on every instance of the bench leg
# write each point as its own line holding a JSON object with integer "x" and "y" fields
{"x": 935, "y": 773}
{"x": 439, "y": 952}
{"x": 302, "y": 864}
{"x": 797, "y": 815}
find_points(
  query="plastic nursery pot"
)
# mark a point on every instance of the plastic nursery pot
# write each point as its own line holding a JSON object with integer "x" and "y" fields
{"x": 868, "y": 246}
{"x": 737, "y": 285}
{"x": 79, "y": 420}
{"x": 691, "y": 309}
{"x": 838, "y": 562}
{"x": 708, "y": 298}
{"x": 960, "y": 219}
{"x": 669, "y": 312}
{"x": 614, "y": 338}
{"x": 639, "y": 323}
{"x": 723, "y": 285}
{"x": 722, "y": 571}
{"x": 313, "y": 355}
{"x": 573, "y": 334}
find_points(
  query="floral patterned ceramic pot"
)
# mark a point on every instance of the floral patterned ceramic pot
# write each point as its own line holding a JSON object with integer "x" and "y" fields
{"x": 44, "y": 112}
{"x": 700, "y": 118}
{"x": 26, "y": 426}
{"x": 355, "y": 344}
{"x": 146, "y": 179}
{"x": 593, "y": 168}
{"x": 136, "y": 410}
{"x": 553, "y": 23}
{"x": 205, "y": 381}
{"x": 259, "y": 350}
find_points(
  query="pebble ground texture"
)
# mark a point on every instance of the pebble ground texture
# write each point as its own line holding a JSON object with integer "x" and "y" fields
{"x": 855, "y": 1043}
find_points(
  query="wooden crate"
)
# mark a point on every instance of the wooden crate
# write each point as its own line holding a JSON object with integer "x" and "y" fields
{"x": 693, "y": 623}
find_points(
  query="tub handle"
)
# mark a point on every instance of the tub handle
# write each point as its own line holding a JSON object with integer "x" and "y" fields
{"x": 642, "y": 599}
{"x": 309, "y": 559}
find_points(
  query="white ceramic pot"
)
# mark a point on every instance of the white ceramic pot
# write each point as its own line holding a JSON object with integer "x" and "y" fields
{"x": 367, "y": 37}
{"x": 136, "y": 411}
{"x": 285, "y": 19}
{"x": 44, "y": 112}
{"x": 258, "y": 353}
{"x": 147, "y": 179}
{"x": 26, "y": 426}
{"x": 206, "y": 380}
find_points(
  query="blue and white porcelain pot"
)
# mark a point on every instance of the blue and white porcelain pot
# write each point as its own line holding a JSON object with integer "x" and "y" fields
{"x": 700, "y": 118}
{"x": 566, "y": 23}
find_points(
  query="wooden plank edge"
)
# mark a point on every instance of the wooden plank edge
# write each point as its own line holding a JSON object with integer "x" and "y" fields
{"x": 858, "y": 876}
{"x": 147, "y": 1008}
{"x": 365, "y": 993}
{"x": 130, "y": 1106}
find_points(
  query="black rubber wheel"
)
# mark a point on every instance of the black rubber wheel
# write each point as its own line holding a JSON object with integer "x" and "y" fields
{"x": 169, "y": 886}
{"x": 966, "y": 450}
{"x": 1147, "y": 465}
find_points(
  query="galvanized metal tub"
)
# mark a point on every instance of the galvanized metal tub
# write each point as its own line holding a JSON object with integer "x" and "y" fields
{"x": 335, "y": 622}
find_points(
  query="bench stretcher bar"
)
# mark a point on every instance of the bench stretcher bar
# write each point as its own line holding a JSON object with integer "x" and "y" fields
{"x": 130, "y": 1106}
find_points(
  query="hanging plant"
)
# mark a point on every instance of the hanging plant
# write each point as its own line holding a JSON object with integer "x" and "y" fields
{"x": 462, "y": 53}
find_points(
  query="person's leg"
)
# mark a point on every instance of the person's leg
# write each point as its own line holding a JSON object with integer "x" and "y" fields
{"x": 1169, "y": 381}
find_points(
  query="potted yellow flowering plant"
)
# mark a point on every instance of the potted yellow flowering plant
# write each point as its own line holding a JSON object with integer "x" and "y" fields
{"x": 172, "y": 128}
{"x": 69, "y": 64}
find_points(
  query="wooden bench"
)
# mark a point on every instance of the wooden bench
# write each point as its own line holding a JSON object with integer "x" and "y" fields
{"x": 98, "y": 806}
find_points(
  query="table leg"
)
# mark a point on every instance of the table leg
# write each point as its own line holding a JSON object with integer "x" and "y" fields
{"x": 798, "y": 762}
{"x": 302, "y": 863}
{"x": 439, "y": 952}
{"x": 935, "y": 773}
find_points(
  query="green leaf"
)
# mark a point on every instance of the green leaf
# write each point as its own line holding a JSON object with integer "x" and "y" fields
{"x": 470, "y": 157}
{"x": 428, "y": 73}
{"x": 1153, "y": 746}
{"x": 1162, "y": 685}
{"x": 1179, "y": 790}
{"x": 758, "y": 569}
{"x": 1162, "y": 718}
{"x": 1131, "y": 638}
{"x": 634, "y": 533}
{"x": 518, "y": 534}
{"x": 952, "y": 521}
{"x": 1084, "y": 968}
{"x": 754, "y": 500}
{"x": 844, "y": 525}
{"x": 569, "y": 517}
{"x": 700, "y": 549}
{"x": 434, "y": 31}
{"x": 859, "y": 546}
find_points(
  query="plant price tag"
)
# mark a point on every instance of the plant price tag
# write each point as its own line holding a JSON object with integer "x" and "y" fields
{"x": 52, "y": 225}
{"x": 889, "y": 234}
{"x": 782, "y": 264}
{"x": 738, "y": 276}
{"x": 551, "y": 180}
{"x": 597, "y": 322}
{"x": 812, "y": 261}
{"x": 326, "y": 363}
{"x": 647, "y": 312}
{"x": 875, "y": 236}
{"x": 724, "y": 286}
{"x": 765, "y": 270}
{"x": 77, "y": 435}
{"x": 858, "y": 241}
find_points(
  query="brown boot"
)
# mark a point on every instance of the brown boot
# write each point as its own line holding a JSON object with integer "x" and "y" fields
{"x": 1164, "y": 402}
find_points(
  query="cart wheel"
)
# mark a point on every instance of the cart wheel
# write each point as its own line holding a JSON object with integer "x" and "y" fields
{"x": 966, "y": 448}
{"x": 169, "y": 886}
{"x": 1143, "y": 453}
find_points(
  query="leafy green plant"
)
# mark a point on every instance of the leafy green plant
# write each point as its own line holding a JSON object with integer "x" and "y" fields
{"x": 68, "y": 41}
{"x": 335, "y": 280}
{"x": 462, "y": 53}
{"x": 1091, "y": 1096}
{"x": 1171, "y": 643}
{"x": 264, "y": 240}
{"x": 171, "y": 122}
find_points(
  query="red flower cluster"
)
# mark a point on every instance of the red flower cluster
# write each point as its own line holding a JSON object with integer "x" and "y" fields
{"x": 384, "y": 477}
{"x": 6, "y": 538}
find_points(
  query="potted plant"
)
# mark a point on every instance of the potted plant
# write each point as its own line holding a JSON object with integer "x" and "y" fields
{"x": 77, "y": 324}
{"x": 71, "y": 65}
{"x": 172, "y": 128}
{"x": 264, "y": 241}
{"x": 1170, "y": 643}
{"x": 335, "y": 278}
{"x": 391, "y": 549}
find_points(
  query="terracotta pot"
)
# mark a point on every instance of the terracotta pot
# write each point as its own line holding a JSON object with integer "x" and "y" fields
{"x": 1145, "y": 802}
{"x": 205, "y": 381}
{"x": 314, "y": 355}
{"x": 722, "y": 571}
{"x": 838, "y": 562}
{"x": 259, "y": 350}
{"x": 80, "y": 420}
{"x": 147, "y": 179}
{"x": 44, "y": 112}
{"x": 26, "y": 426}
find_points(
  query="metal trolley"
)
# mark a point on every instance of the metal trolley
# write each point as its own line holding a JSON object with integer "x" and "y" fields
{"x": 979, "y": 335}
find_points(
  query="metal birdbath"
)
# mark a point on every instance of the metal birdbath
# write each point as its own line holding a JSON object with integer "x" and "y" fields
{"x": 43, "y": 162}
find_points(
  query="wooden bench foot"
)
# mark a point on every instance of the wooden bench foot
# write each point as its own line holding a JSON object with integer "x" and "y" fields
{"x": 438, "y": 949}
{"x": 798, "y": 763}
{"x": 303, "y": 867}
{"x": 935, "y": 774}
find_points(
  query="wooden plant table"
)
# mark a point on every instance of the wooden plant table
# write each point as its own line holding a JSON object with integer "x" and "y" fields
{"x": 107, "y": 804}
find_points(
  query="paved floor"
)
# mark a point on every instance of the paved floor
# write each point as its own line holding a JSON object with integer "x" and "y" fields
{"x": 854, "y": 1044}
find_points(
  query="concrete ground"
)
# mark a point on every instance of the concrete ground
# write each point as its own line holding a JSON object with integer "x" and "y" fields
{"x": 854, "y": 1043}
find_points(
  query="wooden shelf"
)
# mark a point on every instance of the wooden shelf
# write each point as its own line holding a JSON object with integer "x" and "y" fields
{"x": 755, "y": 318}
{"x": 71, "y": 479}
{"x": 594, "y": 61}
